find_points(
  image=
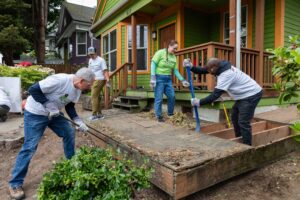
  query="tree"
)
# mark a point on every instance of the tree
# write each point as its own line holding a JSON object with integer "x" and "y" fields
{"x": 13, "y": 32}
{"x": 53, "y": 15}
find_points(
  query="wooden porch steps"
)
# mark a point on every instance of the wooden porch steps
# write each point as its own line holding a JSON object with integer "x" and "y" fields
{"x": 131, "y": 103}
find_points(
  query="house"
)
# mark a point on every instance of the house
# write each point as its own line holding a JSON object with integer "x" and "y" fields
{"x": 203, "y": 29}
{"x": 73, "y": 36}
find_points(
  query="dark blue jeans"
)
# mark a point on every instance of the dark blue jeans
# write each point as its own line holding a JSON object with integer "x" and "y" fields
{"x": 242, "y": 114}
{"x": 34, "y": 127}
{"x": 164, "y": 85}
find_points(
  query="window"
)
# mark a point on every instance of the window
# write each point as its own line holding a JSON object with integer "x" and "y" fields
{"x": 243, "y": 27}
{"x": 142, "y": 45}
{"x": 110, "y": 50}
{"x": 81, "y": 40}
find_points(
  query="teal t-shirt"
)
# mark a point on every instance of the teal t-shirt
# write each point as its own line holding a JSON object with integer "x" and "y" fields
{"x": 164, "y": 65}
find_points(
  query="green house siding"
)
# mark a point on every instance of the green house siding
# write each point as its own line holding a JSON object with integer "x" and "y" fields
{"x": 109, "y": 5}
{"x": 291, "y": 19}
{"x": 214, "y": 27}
{"x": 123, "y": 44}
{"x": 205, "y": 28}
{"x": 143, "y": 80}
{"x": 269, "y": 34}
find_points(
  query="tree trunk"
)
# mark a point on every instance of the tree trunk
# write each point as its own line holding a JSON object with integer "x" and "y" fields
{"x": 8, "y": 58}
{"x": 40, "y": 12}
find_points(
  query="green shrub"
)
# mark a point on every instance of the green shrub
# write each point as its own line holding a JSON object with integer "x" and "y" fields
{"x": 29, "y": 75}
{"x": 287, "y": 73}
{"x": 93, "y": 173}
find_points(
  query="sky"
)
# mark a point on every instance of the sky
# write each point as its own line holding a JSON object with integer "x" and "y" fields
{"x": 89, "y": 3}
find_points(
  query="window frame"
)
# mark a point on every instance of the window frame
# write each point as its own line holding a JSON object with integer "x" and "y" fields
{"x": 138, "y": 48}
{"x": 109, "y": 52}
{"x": 77, "y": 43}
{"x": 246, "y": 23}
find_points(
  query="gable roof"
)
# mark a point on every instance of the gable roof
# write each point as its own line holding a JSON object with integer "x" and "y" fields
{"x": 79, "y": 12}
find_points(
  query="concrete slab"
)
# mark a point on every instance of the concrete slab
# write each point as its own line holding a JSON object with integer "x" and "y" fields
{"x": 288, "y": 114}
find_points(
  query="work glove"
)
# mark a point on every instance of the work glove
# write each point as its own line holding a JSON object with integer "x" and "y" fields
{"x": 52, "y": 108}
{"x": 81, "y": 125}
{"x": 187, "y": 63}
{"x": 153, "y": 81}
{"x": 185, "y": 83}
{"x": 108, "y": 84}
{"x": 195, "y": 102}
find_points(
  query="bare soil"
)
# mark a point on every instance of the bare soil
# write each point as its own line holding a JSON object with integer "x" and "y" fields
{"x": 279, "y": 180}
{"x": 276, "y": 181}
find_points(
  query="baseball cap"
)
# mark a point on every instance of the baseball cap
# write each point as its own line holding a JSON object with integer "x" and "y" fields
{"x": 91, "y": 50}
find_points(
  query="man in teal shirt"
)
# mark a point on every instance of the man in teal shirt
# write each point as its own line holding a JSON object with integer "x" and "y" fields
{"x": 163, "y": 64}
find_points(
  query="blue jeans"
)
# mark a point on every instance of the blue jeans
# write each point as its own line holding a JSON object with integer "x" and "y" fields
{"x": 34, "y": 127}
{"x": 242, "y": 114}
{"x": 164, "y": 85}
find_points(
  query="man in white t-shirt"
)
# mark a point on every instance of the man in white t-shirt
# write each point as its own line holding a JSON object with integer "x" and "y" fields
{"x": 5, "y": 104}
{"x": 241, "y": 87}
{"x": 98, "y": 66}
{"x": 42, "y": 110}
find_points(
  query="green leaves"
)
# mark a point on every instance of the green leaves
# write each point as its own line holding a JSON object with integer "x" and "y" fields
{"x": 28, "y": 75}
{"x": 93, "y": 173}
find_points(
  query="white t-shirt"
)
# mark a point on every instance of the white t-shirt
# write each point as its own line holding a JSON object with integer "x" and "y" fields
{"x": 237, "y": 84}
{"x": 4, "y": 98}
{"x": 98, "y": 65}
{"x": 58, "y": 88}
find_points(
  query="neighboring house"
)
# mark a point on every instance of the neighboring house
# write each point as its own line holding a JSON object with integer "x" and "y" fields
{"x": 73, "y": 33}
{"x": 202, "y": 28}
{"x": 50, "y": 42}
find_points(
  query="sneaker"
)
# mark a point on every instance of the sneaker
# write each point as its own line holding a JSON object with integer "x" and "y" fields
{"x": 16, "y": 193}
{"x": 96, "y": 117}
{"x": 100, "y": 116}
{"x": 93, "y": 118}
{"x": 160, "y": 119}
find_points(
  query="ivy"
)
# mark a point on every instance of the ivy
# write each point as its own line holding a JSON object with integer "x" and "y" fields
{"x": 29, "y": 75}
{"x": 94, "y": 173}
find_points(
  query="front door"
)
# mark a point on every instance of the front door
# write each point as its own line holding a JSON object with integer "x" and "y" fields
{"x": 166, "y": 35}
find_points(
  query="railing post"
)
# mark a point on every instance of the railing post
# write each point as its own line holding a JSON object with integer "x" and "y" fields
{"x": 106, "y": 97}
{"x": 210, "y": 78}
{"x": 125, "y": 79}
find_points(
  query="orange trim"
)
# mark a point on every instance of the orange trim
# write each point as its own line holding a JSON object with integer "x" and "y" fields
{"x": 119, "y": 44}
{"x": 279, "y": 23}
{"x": 222, "y": 26}
{"x": 250, "y": 24}
{"x": 167, "y": 12}
{"x": 180, "y": 26}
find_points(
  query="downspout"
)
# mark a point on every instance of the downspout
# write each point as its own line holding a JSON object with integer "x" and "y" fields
{"x": 108, "y": 15}
{"x": 238, "y": 34}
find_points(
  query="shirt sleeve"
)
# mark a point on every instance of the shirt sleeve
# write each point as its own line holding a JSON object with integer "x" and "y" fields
{"x": 50, "y": 84}
{"x": 224, "y": 81}
{"x": 103, "y": 64}
{"x": 157, "y": 56}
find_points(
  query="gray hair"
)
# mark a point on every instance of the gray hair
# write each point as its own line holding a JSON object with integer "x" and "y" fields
{"x": 85, "y": 73}
{"x": 213, "y": 62}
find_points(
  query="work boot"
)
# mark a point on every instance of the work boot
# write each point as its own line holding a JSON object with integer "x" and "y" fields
{"x": 160, "y": 119}
{"x": 16, "y": 193}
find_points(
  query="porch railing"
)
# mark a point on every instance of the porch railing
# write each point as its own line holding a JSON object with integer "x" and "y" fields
{"x": 200, "y": 53}
{"x": 119, "y": 84}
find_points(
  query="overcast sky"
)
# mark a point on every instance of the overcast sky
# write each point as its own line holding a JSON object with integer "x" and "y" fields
{"x": 90, "y": 3}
